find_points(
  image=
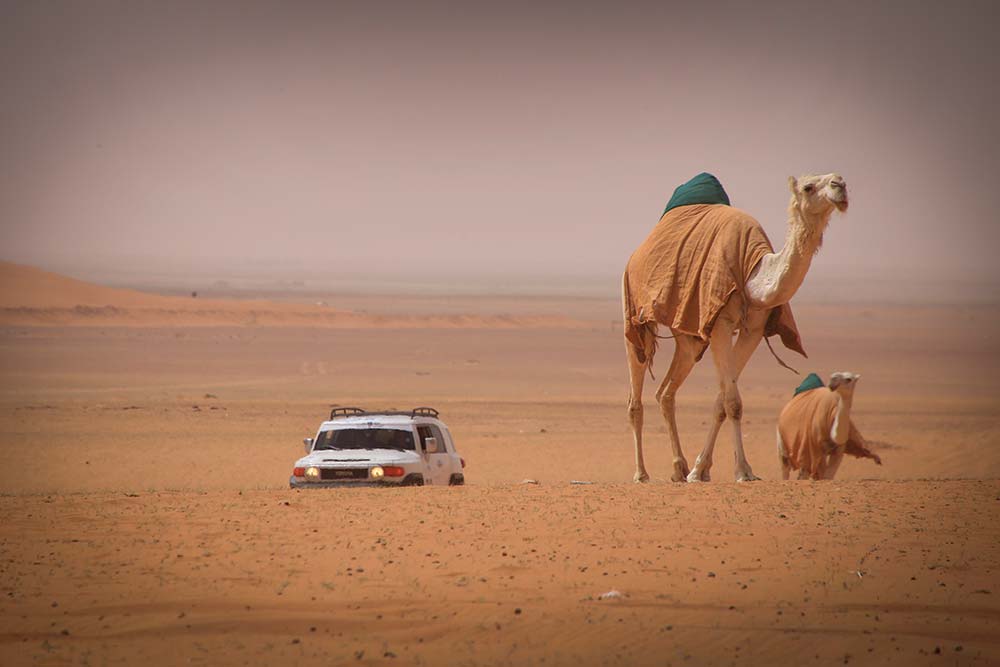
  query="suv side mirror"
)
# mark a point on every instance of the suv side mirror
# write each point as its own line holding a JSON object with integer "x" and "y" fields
{"x": 431, "y": 445}
{"x": 308, "y": 442}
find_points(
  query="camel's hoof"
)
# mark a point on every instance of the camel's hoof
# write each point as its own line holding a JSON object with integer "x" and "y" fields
{"x": 747, "y": 477}
{"x": 694, "y": 476}
{"x": 641, "y": 477}
{"x": 681, "y": 471}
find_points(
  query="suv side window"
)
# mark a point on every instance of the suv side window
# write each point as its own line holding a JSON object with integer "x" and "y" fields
{"x": 424, "y": 432}
{"x": 436, "y": 432}
{"x": 431, "y": 431}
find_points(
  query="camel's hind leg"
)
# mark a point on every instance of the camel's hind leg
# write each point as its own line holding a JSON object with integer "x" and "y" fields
{"x": 833, "y": 463}
{"x": 740, "y": 354}
{"x": 687, "y": 349}
{"x": 786, "y": 467}
{"x": 636, "y": 376}
{"x": 728, "y": 370}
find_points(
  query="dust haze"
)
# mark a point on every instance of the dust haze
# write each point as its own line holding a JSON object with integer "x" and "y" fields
{"x": 420, "y": 147}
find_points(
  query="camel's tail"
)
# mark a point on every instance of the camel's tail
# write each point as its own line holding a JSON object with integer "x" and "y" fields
{"x": 640, "y": 333}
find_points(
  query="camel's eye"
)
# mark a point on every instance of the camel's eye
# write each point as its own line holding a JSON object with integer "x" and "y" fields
{"x": 808, "y": 189}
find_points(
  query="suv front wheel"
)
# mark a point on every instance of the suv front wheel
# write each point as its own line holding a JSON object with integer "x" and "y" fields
{"x": 413, "y": 479}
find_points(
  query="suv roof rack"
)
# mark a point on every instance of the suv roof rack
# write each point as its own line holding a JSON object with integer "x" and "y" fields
{"x": 423, "y": 411}
{"x": 346, "y": 412}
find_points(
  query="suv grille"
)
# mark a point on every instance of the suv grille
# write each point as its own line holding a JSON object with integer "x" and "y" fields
{"x": 343, "y": 473}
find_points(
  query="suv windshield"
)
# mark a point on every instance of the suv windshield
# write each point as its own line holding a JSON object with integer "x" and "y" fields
{"x": 365, "y": 438}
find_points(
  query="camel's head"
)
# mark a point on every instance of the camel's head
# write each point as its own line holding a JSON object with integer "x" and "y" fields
{"x": 844, "y": 383}
{"x": 819, "y": 195}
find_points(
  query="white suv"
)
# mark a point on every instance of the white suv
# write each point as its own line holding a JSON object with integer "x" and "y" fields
{"x": 360, "y": 448}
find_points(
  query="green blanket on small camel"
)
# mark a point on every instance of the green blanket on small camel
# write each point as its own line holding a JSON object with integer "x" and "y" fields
{"x": 812, "y": 381}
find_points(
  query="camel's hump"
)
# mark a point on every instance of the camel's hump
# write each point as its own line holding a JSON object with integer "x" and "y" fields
{"x": 702, "y": 189}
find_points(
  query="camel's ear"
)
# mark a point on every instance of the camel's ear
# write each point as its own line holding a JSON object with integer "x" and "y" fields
{"x": 793, "y": 185}
{"x": 835, "y": 381}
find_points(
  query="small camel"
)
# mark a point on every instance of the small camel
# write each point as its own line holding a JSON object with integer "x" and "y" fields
{"x": 705, "y": 304}
{"x": 815, "y": 430}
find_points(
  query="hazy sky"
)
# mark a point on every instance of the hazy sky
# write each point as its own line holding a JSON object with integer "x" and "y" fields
{"x": 467, "y": 139}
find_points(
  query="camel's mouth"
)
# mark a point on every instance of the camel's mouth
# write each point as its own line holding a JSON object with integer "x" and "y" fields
{"x": 837, "y": 194}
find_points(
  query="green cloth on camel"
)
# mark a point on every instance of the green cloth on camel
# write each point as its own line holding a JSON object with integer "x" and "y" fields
{"x": 702, "y": 189}
{"x": 811, "y": 382}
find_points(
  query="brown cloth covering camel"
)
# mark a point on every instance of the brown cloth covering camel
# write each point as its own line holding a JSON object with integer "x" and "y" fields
{"x": 695, "y": 259}
{"x": 815, "y": 430}
{"x": 706, "y": 272}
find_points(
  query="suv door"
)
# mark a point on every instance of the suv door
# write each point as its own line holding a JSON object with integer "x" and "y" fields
{"x": 454, "y": 460}
{"x": 438, "y": 464}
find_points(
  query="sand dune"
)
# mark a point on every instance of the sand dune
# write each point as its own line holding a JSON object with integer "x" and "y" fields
{"x": 33, "y": 297}
{"x": 147, "y": 519}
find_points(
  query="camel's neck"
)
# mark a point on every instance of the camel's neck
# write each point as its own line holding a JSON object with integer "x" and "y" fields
{"x": 842, "y": 420}
{"x": 779, "y": 275}
{"x": 801, "y": 245}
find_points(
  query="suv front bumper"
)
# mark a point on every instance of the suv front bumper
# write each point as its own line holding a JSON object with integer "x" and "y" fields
{"x": 413, "y": 479}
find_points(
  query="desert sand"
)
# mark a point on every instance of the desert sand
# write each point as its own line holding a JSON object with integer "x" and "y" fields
{"x": 146, "y": 443}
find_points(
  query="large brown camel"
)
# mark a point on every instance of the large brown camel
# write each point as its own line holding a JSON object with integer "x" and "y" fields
{"x": 708, "y": 272}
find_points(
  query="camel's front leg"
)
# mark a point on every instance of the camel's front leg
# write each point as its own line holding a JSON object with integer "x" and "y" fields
{"x": 740, "y": 354}
{"x": 723, "y": 353}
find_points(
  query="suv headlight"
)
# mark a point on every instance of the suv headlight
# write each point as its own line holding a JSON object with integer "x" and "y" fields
{"x": 376, "y": 472}
{"x": 312, "y": 474}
